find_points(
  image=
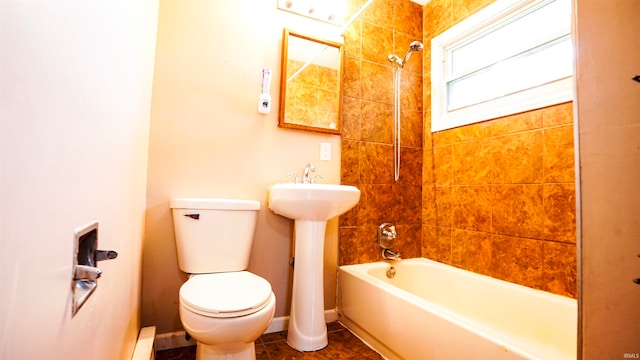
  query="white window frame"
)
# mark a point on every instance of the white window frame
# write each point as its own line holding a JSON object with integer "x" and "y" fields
{"x": 491, "y": 17}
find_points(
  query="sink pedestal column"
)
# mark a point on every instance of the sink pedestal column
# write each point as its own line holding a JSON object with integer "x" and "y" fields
{"x": 307, "y": 327}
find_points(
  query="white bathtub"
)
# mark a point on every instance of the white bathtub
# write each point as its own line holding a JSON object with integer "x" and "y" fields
{"x": 430, "y": 310}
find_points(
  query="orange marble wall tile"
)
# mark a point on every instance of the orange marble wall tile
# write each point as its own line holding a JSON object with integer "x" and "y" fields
{"x": 561, "y": 114}
{"x": 377, "y": 124}
{"x": 444, "y": 206}
{"x": 429, "y": 216}
{"x": 407, "y": 244}
{"x": 407, "y": 205}
{"x": 445, "y": 137}
{"x": 462, "y": 9}
{"x": 380, "y": 12}
{"x": 428, "y": 176}
{"x": 411, "y": 127}
{"x": 559, "y": 222}
{"x": 558, "y": 156}
{"x": 517, "y": 159}
{"x": 351, "y": 84}
{"x": 560, "y": 269}
{"x": 351, "y": 119}
{"x": 472, "y": 162}
{"x": 467, "y": 133}
{"x": 408, "y": 18}
{"x": 351, "y": 7}
{"x": 372, "y": 75}
{"x": 517, "y": 210}
{"x": 426, "y": 91}
{"x": 471, "y": 207}
{"x": 410, "y": 166}
{"x": 427, "y": 140}
{"x": 358, "y": 245}
{"x": 347, "y": 246}
{"x": 350, "y": 218}
{"x": 436, "y": 243}
{"x": 353, "y": 40}
{"x": 350, "y": 162}
{"x": 377, "y": 43}
{"x": 376, "y": 163}
{"x": 443, "y": 165}
{"x": 437, "y": 17}
{"x": 411, "y": 91}
{"x": 471, "y": 250}
{"x": 511, "y": 124}
{"x": 352, "y": 35}
{"x": 517, "y": 260}
{"x": 374, "y": 205}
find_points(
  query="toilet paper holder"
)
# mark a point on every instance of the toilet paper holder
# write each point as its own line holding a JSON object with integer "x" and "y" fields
{"x": 85, "y": 271}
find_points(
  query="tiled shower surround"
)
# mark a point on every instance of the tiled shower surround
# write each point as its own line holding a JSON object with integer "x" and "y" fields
{"x": 496, "y": 198}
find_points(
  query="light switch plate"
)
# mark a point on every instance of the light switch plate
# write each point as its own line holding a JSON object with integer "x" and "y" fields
{"x": 325, "y": 151}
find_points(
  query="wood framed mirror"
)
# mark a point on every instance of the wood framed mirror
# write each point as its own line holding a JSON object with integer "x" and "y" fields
{"x": 310, "y": 83}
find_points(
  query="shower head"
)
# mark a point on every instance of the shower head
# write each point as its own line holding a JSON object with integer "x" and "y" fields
{"x": 414, "y": 46}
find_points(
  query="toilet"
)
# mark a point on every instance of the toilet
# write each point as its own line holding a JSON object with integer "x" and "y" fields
{"x": 222, "y": 306}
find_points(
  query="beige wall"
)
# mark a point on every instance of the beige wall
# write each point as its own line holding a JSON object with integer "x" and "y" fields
{"x": 608, "y": 104}
{"x": 75, "y": 108}
{"x": 208, "y": 140}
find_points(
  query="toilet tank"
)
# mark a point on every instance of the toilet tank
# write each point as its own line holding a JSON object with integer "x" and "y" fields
{"x": 213, "y": 235}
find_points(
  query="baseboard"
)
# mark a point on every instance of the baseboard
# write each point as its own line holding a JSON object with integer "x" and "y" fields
{"x": 282, "y": 323}
{"x": 145, "y": 346}
{"x": 173, "y": 340}
{"x": 177, "y": 339}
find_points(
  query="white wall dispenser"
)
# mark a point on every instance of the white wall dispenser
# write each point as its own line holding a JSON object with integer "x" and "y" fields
{"x": 264, "y": 100}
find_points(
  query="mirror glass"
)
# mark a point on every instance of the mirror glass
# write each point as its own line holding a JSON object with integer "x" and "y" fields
{"x": 311, "y": 83}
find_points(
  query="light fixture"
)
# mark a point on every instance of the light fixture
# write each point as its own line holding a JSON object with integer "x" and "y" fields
{"x": 331, "y": 11}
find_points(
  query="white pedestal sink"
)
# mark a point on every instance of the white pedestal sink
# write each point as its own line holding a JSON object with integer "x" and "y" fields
{"x": 310, "y": 205}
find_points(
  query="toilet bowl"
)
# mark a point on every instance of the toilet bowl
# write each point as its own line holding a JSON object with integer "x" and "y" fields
{"x": 222, "y": 306}
{"x": 226, "y": 312}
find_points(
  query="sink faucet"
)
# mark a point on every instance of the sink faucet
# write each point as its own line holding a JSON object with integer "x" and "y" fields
{"x": 305, "y": 173}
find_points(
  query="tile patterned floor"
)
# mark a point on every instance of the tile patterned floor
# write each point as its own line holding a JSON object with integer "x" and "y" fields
{"x": 343, "y": 345}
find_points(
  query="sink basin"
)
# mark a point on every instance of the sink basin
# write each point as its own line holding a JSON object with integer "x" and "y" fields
{"x": 312, "y": 201}
{"x": 310, "y": 206}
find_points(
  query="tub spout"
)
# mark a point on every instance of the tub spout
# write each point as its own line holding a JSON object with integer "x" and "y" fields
{"x": 388, "y": 254}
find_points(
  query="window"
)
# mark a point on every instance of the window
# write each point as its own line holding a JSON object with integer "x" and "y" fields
{"x": 510, "y": 57}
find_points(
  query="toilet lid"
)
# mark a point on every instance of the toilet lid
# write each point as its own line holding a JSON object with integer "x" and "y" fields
{"x": 228, "y": 294}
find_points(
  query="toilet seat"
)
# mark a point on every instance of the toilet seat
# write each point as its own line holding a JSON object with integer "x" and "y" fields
{"x": 225, "y": 295}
